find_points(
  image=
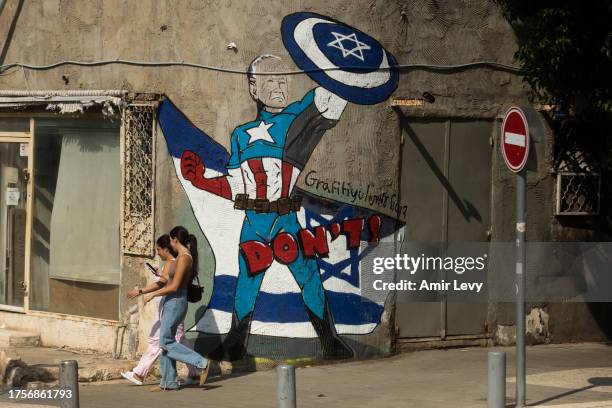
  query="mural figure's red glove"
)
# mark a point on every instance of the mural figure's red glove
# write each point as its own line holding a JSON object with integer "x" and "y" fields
{"x": 192, "y": 169}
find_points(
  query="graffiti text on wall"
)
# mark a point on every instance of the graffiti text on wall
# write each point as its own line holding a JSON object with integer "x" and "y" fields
{"x": 346, "y": 191}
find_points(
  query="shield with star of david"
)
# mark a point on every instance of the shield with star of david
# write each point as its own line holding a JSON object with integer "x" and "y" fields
{"x": 340, "y": 58}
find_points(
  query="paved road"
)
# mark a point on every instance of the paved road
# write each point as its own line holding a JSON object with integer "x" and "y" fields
{"x": 562, "y": 376}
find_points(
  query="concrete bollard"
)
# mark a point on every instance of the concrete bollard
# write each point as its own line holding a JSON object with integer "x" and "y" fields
{"x": 69, "y": 381}
{"x": 496, "y": 395}
{"x": 286, "y": 386}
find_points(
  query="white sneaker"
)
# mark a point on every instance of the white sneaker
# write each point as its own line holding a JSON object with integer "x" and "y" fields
{"x": 130, "y": 376}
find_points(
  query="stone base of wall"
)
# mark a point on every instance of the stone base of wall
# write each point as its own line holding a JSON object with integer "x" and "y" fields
{"x": 58, "y": 330}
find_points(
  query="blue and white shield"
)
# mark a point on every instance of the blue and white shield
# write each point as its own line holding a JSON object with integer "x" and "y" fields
{"x": 340, "y": 58}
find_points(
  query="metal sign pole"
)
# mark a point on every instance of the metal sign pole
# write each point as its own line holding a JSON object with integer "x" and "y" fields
{"x": 520, "y": 287}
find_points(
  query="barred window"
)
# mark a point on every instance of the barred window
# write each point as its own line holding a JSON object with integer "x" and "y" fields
{"x": 138, "y": 179}
{"x": 578, "y": 193}
{"x": 580, "y": 157}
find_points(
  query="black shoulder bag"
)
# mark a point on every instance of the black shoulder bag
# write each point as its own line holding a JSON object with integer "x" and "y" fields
{"x": 194, "y": 292}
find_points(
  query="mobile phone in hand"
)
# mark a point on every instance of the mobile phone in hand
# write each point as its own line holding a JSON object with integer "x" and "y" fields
{"x": 152, "y": 269}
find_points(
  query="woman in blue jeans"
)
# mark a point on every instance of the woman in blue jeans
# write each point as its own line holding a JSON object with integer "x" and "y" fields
{"x": 174, "y": 310}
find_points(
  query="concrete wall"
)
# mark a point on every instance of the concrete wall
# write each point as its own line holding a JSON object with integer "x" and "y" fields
{"x": 363, "y": 149}
{"x": 547, "y": 322}
{"x": 58, "y": 330}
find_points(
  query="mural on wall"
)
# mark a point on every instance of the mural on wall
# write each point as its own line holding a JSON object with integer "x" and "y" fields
{"x": 288, "y": 263}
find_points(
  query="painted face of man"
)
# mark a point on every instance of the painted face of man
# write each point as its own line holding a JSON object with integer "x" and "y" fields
{"x": 271, "y": 90}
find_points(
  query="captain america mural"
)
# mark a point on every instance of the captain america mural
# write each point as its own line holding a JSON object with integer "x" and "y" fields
{"x": 263, "y": 216}
{"x": 267, "y": 156}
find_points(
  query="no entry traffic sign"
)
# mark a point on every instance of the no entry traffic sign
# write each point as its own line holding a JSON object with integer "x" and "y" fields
{"x": 515, "y": 139}
{"x": 515, "y": 148}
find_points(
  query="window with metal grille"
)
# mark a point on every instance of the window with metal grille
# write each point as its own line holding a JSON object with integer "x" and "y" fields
{"x": 138, "y": 179}
{"x": 580, "y": 156}
{"x": 578, "y": 193}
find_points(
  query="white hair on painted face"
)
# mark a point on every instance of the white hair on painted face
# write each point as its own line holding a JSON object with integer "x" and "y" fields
{"x": 251, "y": 71}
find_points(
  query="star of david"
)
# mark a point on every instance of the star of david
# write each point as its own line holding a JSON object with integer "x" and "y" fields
{"x": 346, "y": 269}
{"x": 356, "y": 51}
{"x": 260, "y": 132}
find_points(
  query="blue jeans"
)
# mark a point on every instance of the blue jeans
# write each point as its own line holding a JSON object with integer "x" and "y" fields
{"x": 174, "y": 310}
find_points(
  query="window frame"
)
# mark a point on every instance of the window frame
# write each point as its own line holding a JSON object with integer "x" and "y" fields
{"x": 24, "y": 137}
{"x": 29, "y": 137}
{"x": 33, "y": 107}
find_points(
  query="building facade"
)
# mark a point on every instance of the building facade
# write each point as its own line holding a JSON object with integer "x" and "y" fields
{"x": 94, "y": 169}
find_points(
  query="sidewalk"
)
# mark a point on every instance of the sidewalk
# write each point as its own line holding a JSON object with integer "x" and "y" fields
{"x": 43, "y": 363}
{"x": 562, "y": 376}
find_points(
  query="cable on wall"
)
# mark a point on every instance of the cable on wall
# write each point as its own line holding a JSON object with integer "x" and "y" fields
{"x": 427, "y": 67}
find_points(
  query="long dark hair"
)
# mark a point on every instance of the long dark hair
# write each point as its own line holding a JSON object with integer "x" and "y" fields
{"x": 164, "y": 242}
{"x": 188, "y": 240}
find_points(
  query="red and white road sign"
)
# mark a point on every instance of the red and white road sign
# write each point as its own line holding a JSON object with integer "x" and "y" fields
{"x": 515, "y": 139}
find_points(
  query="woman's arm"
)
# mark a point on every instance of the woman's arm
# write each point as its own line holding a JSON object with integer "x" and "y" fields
{"x": 183, "y": 263}
{"x": 154, "y": 286}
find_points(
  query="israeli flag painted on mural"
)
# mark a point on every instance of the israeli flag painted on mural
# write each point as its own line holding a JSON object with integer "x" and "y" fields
{"x": 279, "y": 310}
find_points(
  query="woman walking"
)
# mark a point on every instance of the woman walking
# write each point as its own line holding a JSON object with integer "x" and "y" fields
{"x": 140, "y": 372}
{"x": 174, "y": 309}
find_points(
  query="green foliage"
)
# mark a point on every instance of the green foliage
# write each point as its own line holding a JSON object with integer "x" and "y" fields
{"x": 565, "y": 50}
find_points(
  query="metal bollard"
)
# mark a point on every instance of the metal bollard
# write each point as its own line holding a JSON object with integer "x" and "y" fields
{"x": 496, "y": 396}
{"x": 69, "y": 381}
{"x": 286, "y": 386}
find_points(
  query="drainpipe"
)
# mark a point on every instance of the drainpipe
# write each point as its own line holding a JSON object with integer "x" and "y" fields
{"x": 129, "y": 323}
{"x": 117, "y": 339}
{"x": 133, "y": 331}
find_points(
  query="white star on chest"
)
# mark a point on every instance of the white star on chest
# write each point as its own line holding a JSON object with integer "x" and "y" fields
{"x": 260, "y": 132}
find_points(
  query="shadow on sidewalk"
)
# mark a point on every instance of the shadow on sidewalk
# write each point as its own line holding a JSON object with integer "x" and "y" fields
{"x": 595, "y": 382}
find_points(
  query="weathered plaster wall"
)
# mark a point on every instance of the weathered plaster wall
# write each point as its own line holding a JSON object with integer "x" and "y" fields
{"x": 362, "y": 149}
{"x": 421, "y": 32}
{"x": 564, "y": 322}
{"x": 67, "y": 331}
